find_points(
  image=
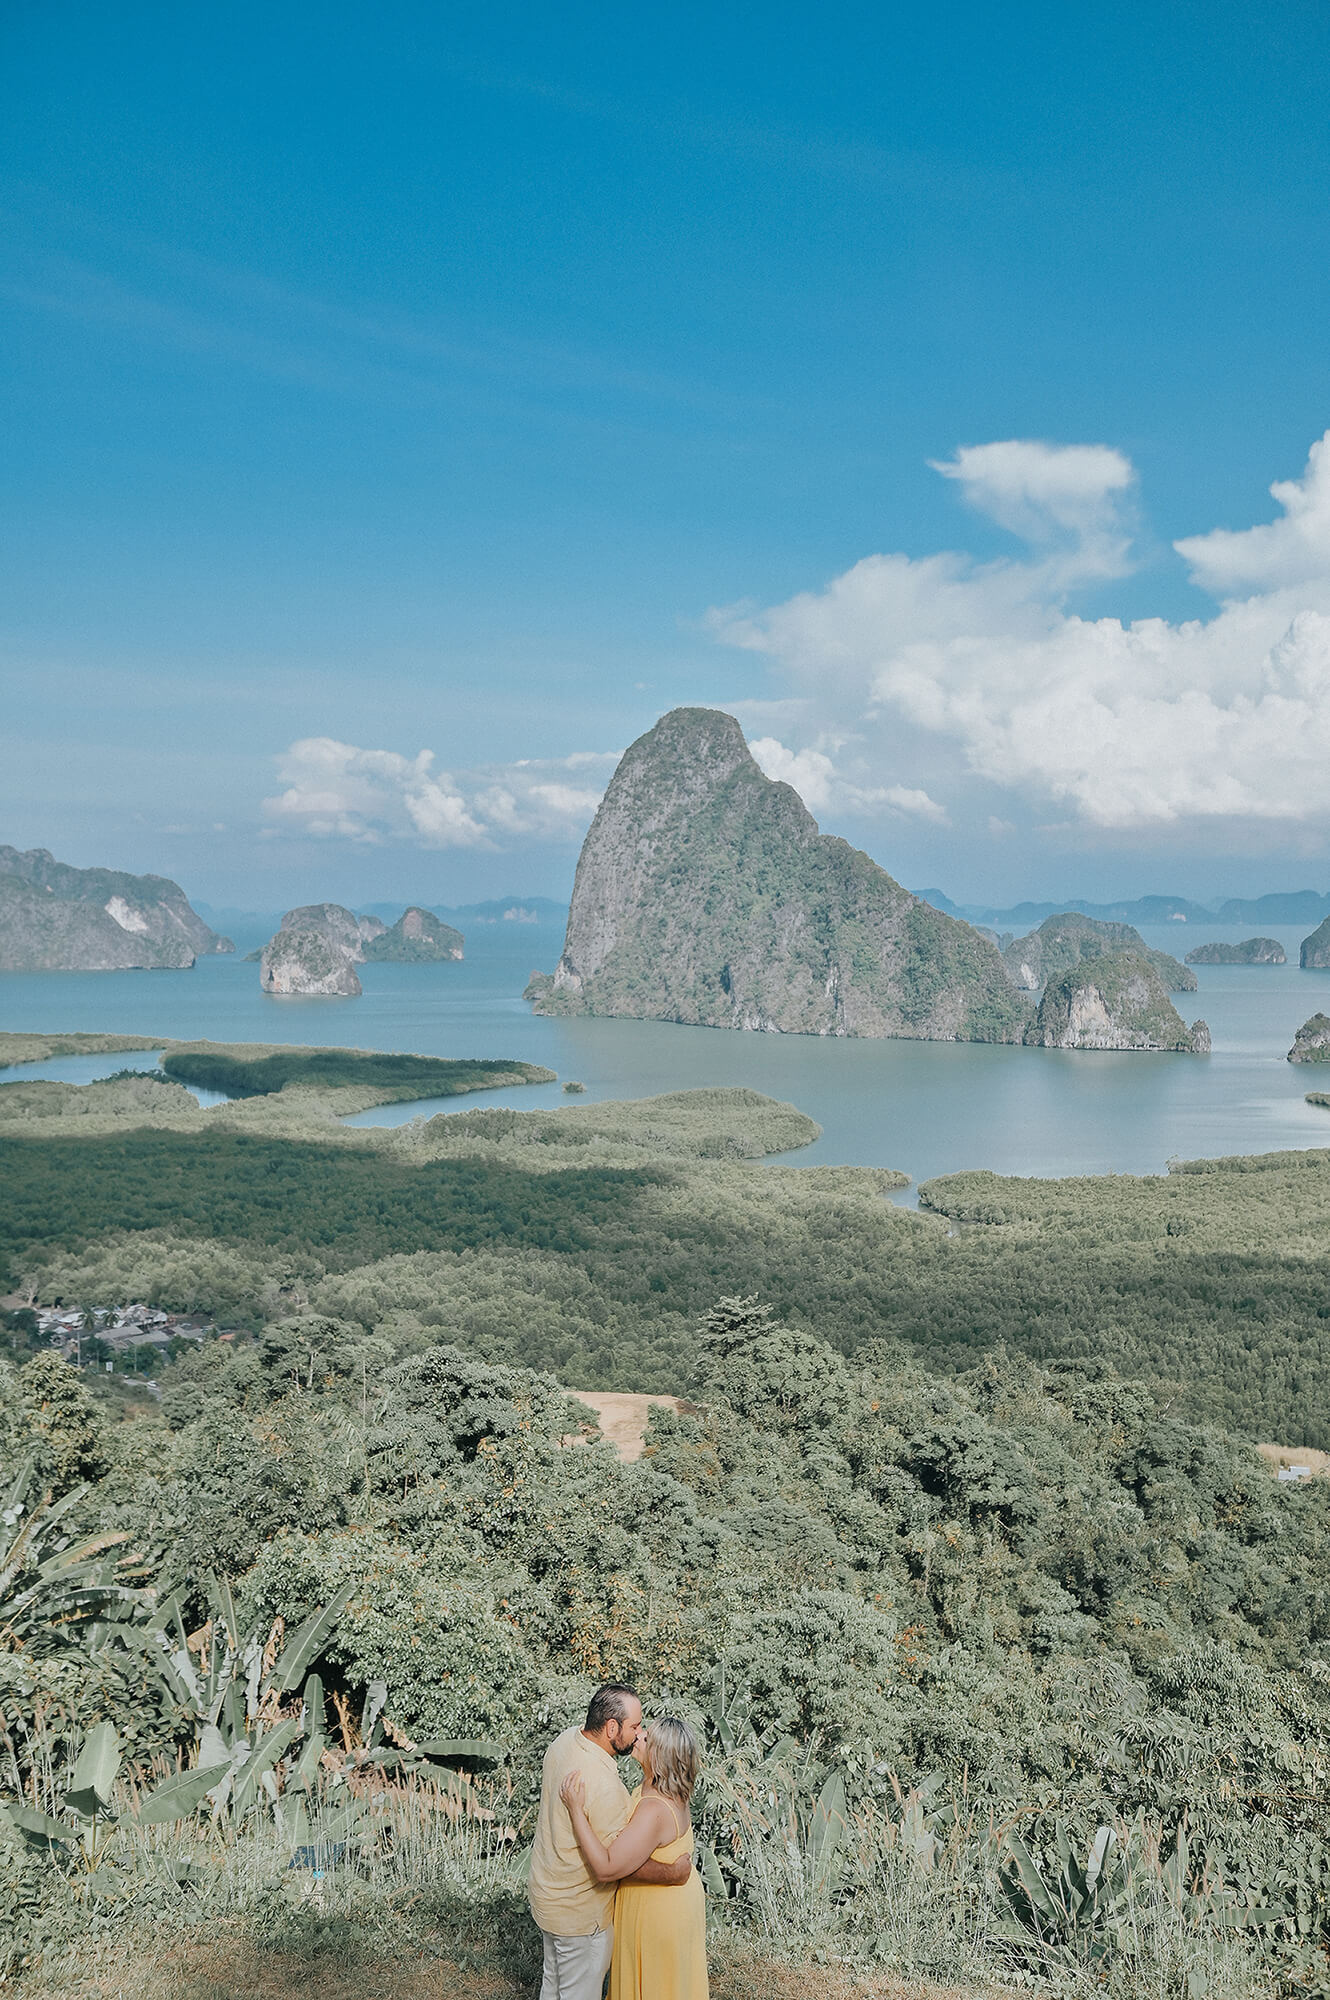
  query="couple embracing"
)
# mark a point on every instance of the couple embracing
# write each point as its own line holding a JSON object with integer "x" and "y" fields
{"x": 593, "y": 1839}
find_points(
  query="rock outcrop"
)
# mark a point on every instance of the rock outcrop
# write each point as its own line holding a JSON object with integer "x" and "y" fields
{"x": 1311, "y": 1044}
{"x": 1115, "y": 1003}
{"x": 417, "y": 938}
{"x": 54, "y": 918}
{"x": 1070, "y": 939}
{"x": 307, "y": 961}
{"x": 349, "y": 933}
{"x": 320, "y": 945}
{"x": 705, "y": 894}
{"x": 1252, "y": 951}
{"x": 1315, "y": 953}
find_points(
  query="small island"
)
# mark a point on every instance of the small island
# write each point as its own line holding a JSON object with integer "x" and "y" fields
{"x": 1311, "y": 1044}
{"x": 417, "y": 938}
{"x": 1252, "y": 951}
{"x": 1070, "y": 939}
{"x": 318, "y": 947}
{"x": 1118, "y": 1003}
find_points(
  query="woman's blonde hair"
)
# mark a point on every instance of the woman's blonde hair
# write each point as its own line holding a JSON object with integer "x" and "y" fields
{"x": 675, "y": 1757}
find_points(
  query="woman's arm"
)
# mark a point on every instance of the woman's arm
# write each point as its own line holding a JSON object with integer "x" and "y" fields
{"x": 631, "y": 1847}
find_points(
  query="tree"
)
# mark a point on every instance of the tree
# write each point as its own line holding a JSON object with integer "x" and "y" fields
{"x": 66, "y": 1425}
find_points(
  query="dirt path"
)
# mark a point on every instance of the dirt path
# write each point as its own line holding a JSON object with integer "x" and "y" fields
{"x": 623, "y": 1418}
{"x": 1277, "y": 1455}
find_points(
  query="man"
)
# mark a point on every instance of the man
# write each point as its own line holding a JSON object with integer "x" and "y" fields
{"x": 574, "y": 1911}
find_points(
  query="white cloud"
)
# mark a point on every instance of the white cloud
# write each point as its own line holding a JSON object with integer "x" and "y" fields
{"x": 337, "y": 791}
{"x": 812, "y": 774}
{"x": 1121, "y": 725}
{"x": 1279, "y": 554}
{"x": 909, "y": 799}
{"x": 1046, "y": 493}
{"x": 825, "y": 788}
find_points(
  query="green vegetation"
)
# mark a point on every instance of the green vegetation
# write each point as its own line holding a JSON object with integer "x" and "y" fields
{"x": 587, "y": 1239}
{"x": 392, "y": 1078}
{"x": 1013, "y": 1662}
{"x": 944, "y": 1639}
{"x": 24, "y": 1048}
{"x": 141, "y": 1097}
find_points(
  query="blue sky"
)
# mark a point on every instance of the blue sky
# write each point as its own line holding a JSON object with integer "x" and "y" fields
{"x": 482, "y": 383}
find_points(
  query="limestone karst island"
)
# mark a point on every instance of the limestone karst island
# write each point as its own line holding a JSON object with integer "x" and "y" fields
{"x": 54, "y": 918}
{"x": 705, "y": 894}
{"x": 316, "y": 949}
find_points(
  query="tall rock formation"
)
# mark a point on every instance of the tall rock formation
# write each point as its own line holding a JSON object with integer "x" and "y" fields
{"x": 1065, "y": 941}
{"x": 54, "y": 918}
{"x": 1117, "y": 1003}
{"x": 307, "y": 961}
{"x": 705, "y": 894}
{"x": 316, "y": 951}
{"x": 1315, "y": 953}
{"x": 1311, "y": 1044}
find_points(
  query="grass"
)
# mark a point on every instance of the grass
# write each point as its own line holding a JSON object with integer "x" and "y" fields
{"x": 221, "y": 1967}
{"x": 25, "y": 1048}
{"x": 254, "y": 1072}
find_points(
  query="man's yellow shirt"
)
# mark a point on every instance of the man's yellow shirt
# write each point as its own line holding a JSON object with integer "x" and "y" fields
{"x": 566, "y": 1898}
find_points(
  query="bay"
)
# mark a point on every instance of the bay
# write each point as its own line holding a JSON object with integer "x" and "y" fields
{"x": 924, "y": 1107}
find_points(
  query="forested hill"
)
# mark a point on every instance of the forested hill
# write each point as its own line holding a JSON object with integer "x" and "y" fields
{"x": 965, "y": 1623}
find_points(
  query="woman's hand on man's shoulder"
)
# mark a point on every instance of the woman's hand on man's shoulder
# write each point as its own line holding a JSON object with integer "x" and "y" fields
{"x": 573, "y": 1790}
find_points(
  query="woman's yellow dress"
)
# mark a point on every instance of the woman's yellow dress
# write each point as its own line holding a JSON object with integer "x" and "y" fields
{"x": 660, "y": 1935}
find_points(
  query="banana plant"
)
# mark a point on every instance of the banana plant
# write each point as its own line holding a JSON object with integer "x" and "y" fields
{"x": 45, "y": 1572}
{"x": 1069, "y": 1899}
{"x": 762, "y": 1789}
{"x": 1086, "y": 1908}
{"x": 235, "y": 1687}
{"x": 89, "y": 1828}
{"x": 236, "y": 1692}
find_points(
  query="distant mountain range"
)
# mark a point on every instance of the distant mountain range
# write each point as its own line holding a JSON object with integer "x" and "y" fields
{"x": 1298, "y": 906}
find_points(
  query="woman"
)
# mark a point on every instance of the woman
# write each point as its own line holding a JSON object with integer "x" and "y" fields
{"x": 660, "y": 1935}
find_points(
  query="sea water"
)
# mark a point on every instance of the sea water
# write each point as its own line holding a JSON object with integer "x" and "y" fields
{"x": 924, "y": 1107}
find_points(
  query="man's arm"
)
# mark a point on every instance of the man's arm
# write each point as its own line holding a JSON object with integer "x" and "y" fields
{"x": 664, "y": 1874}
